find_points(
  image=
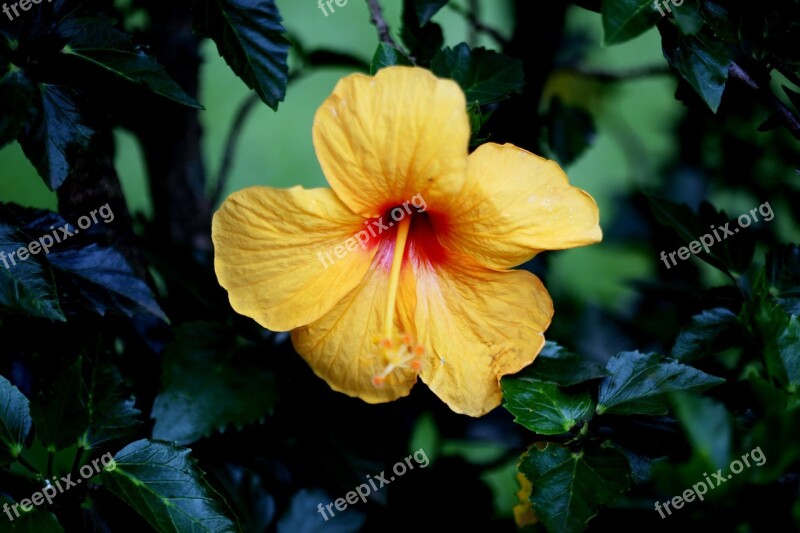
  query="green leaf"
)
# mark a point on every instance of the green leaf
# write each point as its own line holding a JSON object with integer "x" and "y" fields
{"x": 208, "y": 385}
{"x": 484, "y": 75}
{"x": 426, "y": 9}
{"x": 570, "y": 131}
{"x": 423, "y": 41}
{"x": 703, "y": 61}
{"x": 26, "y": 287}
{"x": 17, "y": 96}
{"x": 727, "y": 253}
{"x": 543, "y": 407}
{"x": 105, "y": 281}
{"x": 641, "y": 383}
{"x": 59, "y": 412}
{"x": 34, "y": 521}
{"x": 387, "y": 56}
{"x": 783, "y": 275}
{"x": 782, "y": 351}
{"x": 708, "y": 427}
{"x": 113, "y": 51}
{"x": 163, "y": 484}
{"x": 557, "y": 365}
{"x": 688, "y": 17}
{"x": 250, "y": 36}
{"x": 569, "y": 488}
{"x": 111, "y": 412}
{"x": 701, "y": 335}
{"x": 297, "y": 519}
{"x": 625, "y": 19}
{"x": 15, "y": 415}
{"x": 57, "y": 134}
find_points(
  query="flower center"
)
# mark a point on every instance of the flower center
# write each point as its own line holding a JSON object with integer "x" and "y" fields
{"x": 397, "y": 350}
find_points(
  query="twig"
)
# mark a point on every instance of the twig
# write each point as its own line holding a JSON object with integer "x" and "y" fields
{"x": 610, "y": 77}
{"x": 472, "y": 17}
{"x": 376, "y": 17}
{"x": 474, "y": 9}
{"x": 29, "y": 466}
{"x": 230, "y": 147}
{"x": 790, "y": 119}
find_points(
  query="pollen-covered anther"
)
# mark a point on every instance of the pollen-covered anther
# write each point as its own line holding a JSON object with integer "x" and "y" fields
{"x": 400, "y": 352}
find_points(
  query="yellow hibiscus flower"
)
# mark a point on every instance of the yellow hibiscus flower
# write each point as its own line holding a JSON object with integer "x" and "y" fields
{"x": 428, "y": 292}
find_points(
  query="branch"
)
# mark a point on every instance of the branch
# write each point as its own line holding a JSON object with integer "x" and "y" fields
{"x": 247, "y": 105}
{"x": 478, "y": 26}
{"x": 789, "y": 119}
{"x": 605, "y": 76}
{"x": 376, "y": 17}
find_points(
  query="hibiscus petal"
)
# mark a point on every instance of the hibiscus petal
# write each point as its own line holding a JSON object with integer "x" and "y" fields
{"x": 275, "y": 254}
{"x": 480, "y": 325}
{"x": 341, "y": 347}
{"x": 515, "y": 205}
{"x": 383, "y": 140}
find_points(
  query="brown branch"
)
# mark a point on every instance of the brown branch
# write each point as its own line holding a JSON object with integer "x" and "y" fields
{"x": 789, "y": 119}
{"x": 245, "y": 108}
{"x": 605, "y": 76}
{"x": 472, "y": 18}
{"x": 376, "y": 17}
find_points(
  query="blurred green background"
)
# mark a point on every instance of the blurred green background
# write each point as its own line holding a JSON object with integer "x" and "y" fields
{"x": 635, "y": 131}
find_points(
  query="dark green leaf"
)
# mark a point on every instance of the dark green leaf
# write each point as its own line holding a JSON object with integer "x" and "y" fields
{"x": 641, "y": 383}
{"x": 57, "y": 134}
{"x": 484, "y": 75}
{"x": 34, "y": 521}
{"x": 17, "y": 96}
{"x": 688, "y": 17}
{"x": 15, "y": 415}
{"x": 782, "y": 350}
{"x": 298, "y": 519}
{"x": 111, "y": 413}
{"x": 570, "y": 131}
{"x": 569, "y": 488}
{"x": 729, "y": 253}
{"x": 626, "y": 19}
{"x": 163, "y": 484}
{"x": 426, "y": 9}
{"x": 703, "y": 61}
{"x": 26, "y": 287}
{"x": 699, "y": 337}
{"x": 250, "y": 36}
{"x": 208, "y": 385}
{"x": 105, "y": 280}
{"x": 542, "y": 407}
{"x": 783, "y": 275}
{"x": 793, "y": 96}
{"x": 59, "y": 412}
{"x": 387, "y": 56}
{"x": 101, "y": 45}
{"x": 422, "y": 40}
{"x": 708, "y": 426}
{"x": 556, "y": 365}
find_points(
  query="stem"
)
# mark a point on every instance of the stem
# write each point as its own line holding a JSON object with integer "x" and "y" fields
{"x": 376, "y": 17}
{"x": 76, "y": 462}
{"x": 789, "y": 119}
{"x": 24, "y": 462}
{"x": 471, "y": 16}
{"x": 235, "y": 133}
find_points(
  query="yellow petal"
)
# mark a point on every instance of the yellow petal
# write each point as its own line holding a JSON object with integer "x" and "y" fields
{"x": 275, "y": 252}
{"x": 515, "y": 205}
{"x": 341, "y": 347}
{"x": 479, "y": 324}
{"x": 383, "y": 140}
